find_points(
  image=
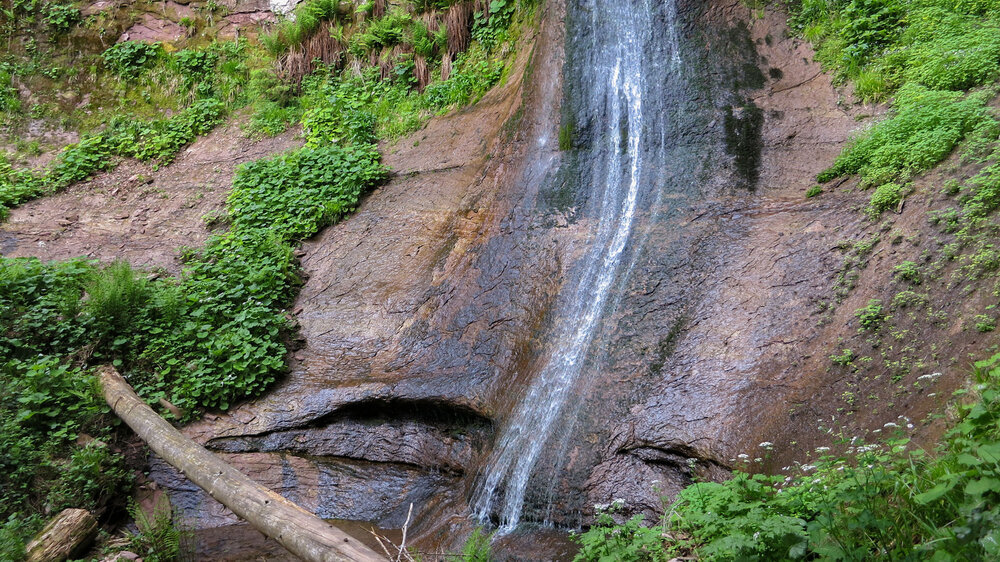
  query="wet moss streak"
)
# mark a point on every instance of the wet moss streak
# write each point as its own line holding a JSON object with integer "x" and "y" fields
{"x": 743, "y": 141}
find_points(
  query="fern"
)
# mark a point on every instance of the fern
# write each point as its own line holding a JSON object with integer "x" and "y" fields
{"x": 158, "y": 539}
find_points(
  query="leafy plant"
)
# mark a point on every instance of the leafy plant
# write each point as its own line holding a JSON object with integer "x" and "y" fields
{"x": 130, "y": 57}
{"x": 908, "y": 271}
{"x": 490, "y": 26}
{"x": 926, "y": 126}
{"x": 477, "y": 547}
{"x": 886, "y": 196}
{"x": 628, "y": 542}
{"x": 195, "y": 64}
{"x": 61, "y": 17}
{"x": 985, "y": 323}
{"x": 845, "y": 357}
{"x": 89, "y": 479}
{"x": 870, "y": 317}
{"x": 158, "y": 539}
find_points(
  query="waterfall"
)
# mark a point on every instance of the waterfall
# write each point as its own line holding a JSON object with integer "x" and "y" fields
{"x": 623, "y": 30}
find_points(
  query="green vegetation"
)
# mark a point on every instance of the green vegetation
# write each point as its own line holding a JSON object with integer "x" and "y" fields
{"x": 157, "y": 140}
{"x": 477, "y": 547}
{"x": 130, "y": 57}
{"x": 936, "y": 58}
{"x": 870, "y": 317}
{"x": 157, "y": 539}
{"x": 853, "y": 501}
{"x": 909, "y": 272}
{"x": 845, "y": 357}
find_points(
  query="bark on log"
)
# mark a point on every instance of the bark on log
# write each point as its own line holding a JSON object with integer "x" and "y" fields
{"x": 298, "y": 530}
{"x": 63, "y": 536}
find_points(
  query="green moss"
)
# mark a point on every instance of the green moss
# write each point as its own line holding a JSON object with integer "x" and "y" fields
{"x": 743, "y": 141}
{"x": 566, "y": 132}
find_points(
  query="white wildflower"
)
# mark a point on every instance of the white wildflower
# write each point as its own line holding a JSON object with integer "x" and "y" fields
{"x": 822, "y": 449}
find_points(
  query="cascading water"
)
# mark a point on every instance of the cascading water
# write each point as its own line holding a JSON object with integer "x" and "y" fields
{"x": 616, "y": 161}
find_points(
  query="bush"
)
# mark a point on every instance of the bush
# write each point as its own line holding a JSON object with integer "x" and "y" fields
{"x": 91, "y": 477}
{"x": 868, "y": 26}
{"x": 115, "y": 296}
{"x": 628, "y": 542}
{"x": 195, "y": 65}
{"x": 477, "y": 547}
{"x": 14, "y": 533}
{"x": 985, "y": 323}
{"x": 157, "y": 539}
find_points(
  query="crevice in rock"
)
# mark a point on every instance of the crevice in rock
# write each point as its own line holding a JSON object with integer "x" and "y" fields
{"x": 432, "y": 434}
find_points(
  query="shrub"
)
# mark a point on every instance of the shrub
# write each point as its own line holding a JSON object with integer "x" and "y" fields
{"x": 475, "y": 77}
{"x": 115, "y": 295}
{"x": 477, "y": 547}
{"x": 845, "y": 358}
{"x": 985, "y": 323}
{"x": 868, "y": 26}
{"x": 195, "y": 65}
{"x": 14, "y": 533}
{"x": 909, "y": 299}
{"x": 489, "y": 27}
{"x": 91, "y": 477}
{"x": 886, "y": 196}
{"x": 628, "y": 542}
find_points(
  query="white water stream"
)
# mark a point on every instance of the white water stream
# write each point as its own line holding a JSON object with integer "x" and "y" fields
{"x": 618, "y": 84}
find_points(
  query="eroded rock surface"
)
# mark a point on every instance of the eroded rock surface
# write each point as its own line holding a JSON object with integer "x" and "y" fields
{"x": 137, "y": 213}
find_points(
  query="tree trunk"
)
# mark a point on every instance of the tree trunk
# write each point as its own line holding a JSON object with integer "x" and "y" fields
{"x": 63, "y": 536}
{"x": 298, "y": 530}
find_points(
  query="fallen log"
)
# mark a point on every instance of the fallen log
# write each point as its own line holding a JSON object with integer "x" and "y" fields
{"x": 64, "y": 535}
{"x": 298, "y": 530}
